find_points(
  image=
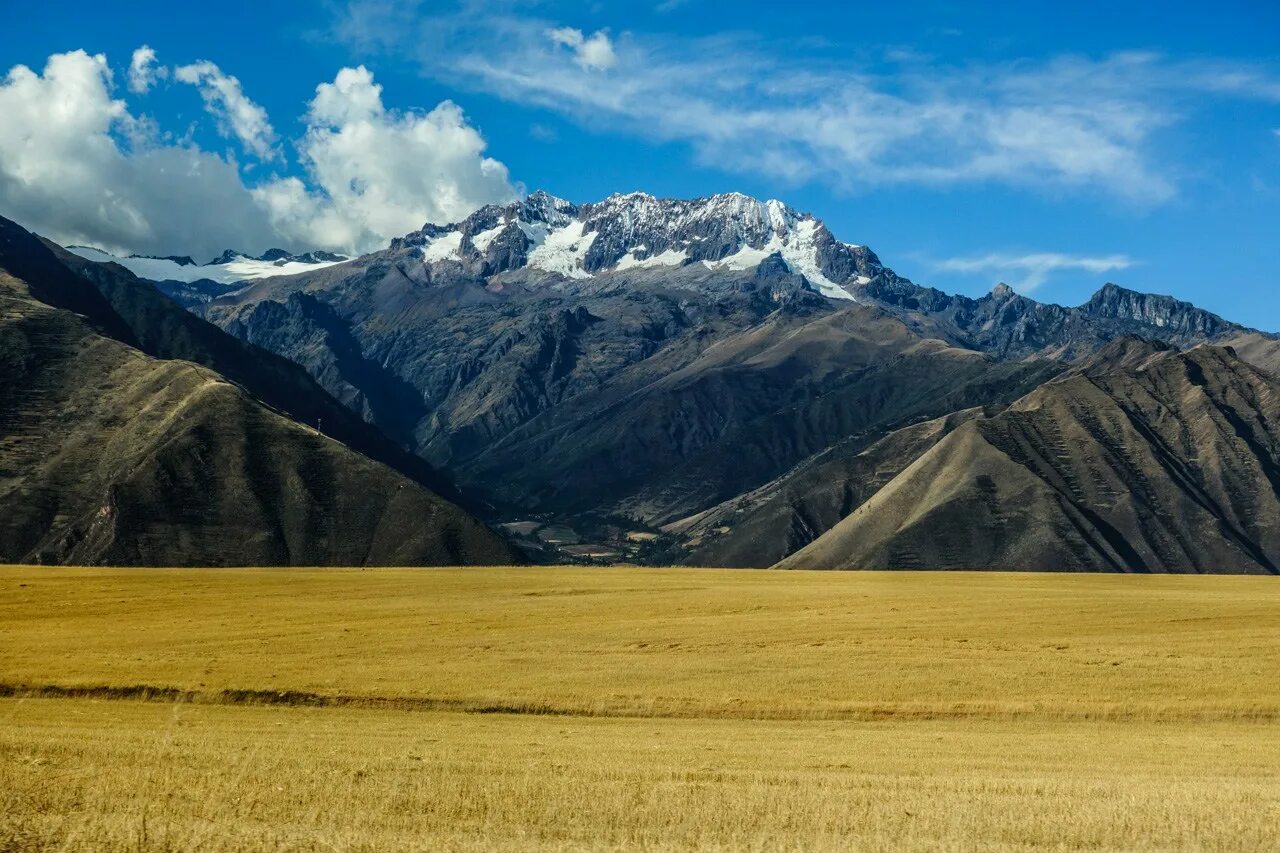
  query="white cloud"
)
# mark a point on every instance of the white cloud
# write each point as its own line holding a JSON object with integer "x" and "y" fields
{"x": 594, "y": 52}
{"x": 77, "y": 166}
{"x": 1064, "y": 123}
{"x": 1026, "y": 272}
{"x": 236, "y": 114}
{"x": 144, "y": 71}
{"x": 378, "y": 173}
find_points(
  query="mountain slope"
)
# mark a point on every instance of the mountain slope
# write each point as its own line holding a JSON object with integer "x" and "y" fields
{"x": 163, "y": 329}
{"x": 664, "y": 443}
{"x": 1144, "y": 459}
{"x": 763, "y": 526}
{"x": 108, "y": 455}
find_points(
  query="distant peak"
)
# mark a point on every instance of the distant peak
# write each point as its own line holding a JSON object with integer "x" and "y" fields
{"x": 1111, "y": 289}
{"x": 227, "y": 257}
{"x": 635, "y": 195}
{"x": 545, "y": 200}
{"x": 1002, "y": 290}
{"x": 180, "y": 260}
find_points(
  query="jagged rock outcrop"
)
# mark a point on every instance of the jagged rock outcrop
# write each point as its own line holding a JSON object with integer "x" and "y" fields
{"x": 1010, "y": 325}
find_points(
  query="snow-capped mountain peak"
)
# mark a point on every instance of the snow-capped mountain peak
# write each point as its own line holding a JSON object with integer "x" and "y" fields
{"x": 636, "y": 230}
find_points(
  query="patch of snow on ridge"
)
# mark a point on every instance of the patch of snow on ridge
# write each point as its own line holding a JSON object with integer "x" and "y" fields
{"x": 669, "y": 258}
{"x": 563, "y": 250}
{"x": 536, "y": 232}
{"x": 250, "y": 268}
{"x": 482, "y": 240}
{"x": 746, "y": 258}
{"x": 161, "y": 269}
{"x": 801, "y": 254}
{"x": 443, "y": 247}
{"x": 91, "y": 254}
{"x": 798, "y": 248}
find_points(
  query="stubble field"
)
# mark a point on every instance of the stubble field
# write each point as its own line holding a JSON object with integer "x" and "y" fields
{"x": 622, "y": 708}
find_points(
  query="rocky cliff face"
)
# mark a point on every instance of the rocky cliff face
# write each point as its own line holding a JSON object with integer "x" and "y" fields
{"x": 1164, "y": 313}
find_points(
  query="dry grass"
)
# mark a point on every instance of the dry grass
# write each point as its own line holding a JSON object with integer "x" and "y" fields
{"x": 735, "y": 710}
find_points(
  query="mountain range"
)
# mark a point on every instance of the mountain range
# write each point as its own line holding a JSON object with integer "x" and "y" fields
{"x": 716, "y": 381}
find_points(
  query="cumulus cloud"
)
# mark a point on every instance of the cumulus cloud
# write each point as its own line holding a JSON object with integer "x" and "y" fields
{"x": 78, "y": 166}
{"x": 593, "y": 52}
{"x": 225, "y": 100}
{"x": 376, "y": 172}
{"x": 144, "y": 71}
{"x": 1026, "y": 272}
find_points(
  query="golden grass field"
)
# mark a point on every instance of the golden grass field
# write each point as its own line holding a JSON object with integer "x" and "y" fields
{"x": 621, "y": 708}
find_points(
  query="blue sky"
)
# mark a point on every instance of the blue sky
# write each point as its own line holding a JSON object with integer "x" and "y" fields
{"x": 1055, "y": 148}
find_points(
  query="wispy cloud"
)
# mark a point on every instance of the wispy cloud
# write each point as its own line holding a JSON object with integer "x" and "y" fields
{"x": 1026, "y": 272}
{"x": 742, "y": 104}
{"x": 226, "y": 101}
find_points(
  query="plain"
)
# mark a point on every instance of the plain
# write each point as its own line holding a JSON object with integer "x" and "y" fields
{"x": 554, "y": 708}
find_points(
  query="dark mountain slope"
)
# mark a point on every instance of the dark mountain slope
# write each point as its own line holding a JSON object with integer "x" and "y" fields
{"x": 163, "y": 329}
{"x": 661, "y": 444}
{"x": 636, "y": 392}
{"x": 765, "y": 525}
{"x": 23, "y": 256}
{"x": 1145, "y": 459}
{"x": 108, "y": 455}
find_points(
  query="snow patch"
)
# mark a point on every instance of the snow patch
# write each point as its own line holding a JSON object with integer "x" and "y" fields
{"x": 798, "y": 248}
{"x": 157, "y": 269}
{"x": 669, "y": 258}
{"x": 563, "y": 251}
{"x": 747, "y": 258}
{"x": 443, "y": 247}
{"x": 482, "y": 240}
{"x": 801, "y": 254}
